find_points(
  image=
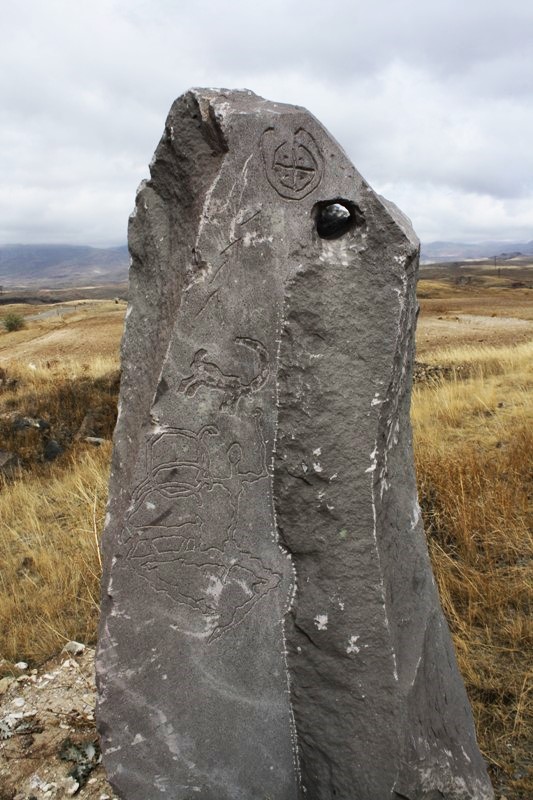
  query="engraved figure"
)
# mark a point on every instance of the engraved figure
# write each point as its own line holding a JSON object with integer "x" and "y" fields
{"x": 207, "y": 373}
{"x": 183, "y": 528}
{"x": 177, "y": 479}
{"x": 293, "y": 165}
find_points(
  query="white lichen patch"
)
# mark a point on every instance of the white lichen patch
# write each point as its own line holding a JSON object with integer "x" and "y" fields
{"x": 316, "y": 466}
{"x": 335, "y": 253}
{"x": 396, "y": 432}
{"x": 374, "y": 461}
{"x": 317, "y": 451}
{"x": 467, "y": 757}
{"x": 352, "y": 646}
{"x": 321, "y": 622}
{"x": 119, "y": 612}
{"x": 161, "y": 782}
{"x": 214, "y": 588}
{"x": 250, "y": 239}
{"x": 415, "y": 518}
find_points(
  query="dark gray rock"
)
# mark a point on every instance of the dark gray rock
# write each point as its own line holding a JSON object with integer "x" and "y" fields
{"x": 270, "y": 625}
{"x": 9, "y": 463}
{"x": 18, "y": 422}
{"x": 52, "y": 450}
{"x": 7, "y": 383}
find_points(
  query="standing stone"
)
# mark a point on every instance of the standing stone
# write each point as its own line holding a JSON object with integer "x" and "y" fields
{"x": 270, "y": 627}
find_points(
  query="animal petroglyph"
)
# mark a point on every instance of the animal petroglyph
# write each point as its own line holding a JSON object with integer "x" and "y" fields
{"x": 184, "y": 532}
{"x": 207, "y": 373}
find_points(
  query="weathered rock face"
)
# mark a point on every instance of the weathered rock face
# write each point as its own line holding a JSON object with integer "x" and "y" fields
{"x": 270, "y": 624}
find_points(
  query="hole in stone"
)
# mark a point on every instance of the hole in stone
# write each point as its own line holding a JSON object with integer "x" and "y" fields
{"x": 334, "y": 218}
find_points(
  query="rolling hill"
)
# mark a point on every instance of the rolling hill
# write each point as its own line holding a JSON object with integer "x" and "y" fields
{"x": 62, "y": 265}
{"x": 434, "y": 252}
{"x": 54, "y": 265}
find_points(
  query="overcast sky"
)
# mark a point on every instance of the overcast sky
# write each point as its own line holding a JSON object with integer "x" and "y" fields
{"x": 432, "y": 100}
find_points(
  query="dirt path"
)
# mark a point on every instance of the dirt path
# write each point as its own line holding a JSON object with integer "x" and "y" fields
{"x": 455, "y": 330}
{"x": 95, "y": 336}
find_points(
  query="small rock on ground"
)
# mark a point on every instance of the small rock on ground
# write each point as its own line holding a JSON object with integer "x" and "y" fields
{"x": 48, "y": 740}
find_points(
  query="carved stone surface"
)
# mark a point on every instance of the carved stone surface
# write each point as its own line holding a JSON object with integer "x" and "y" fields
{"x": 270, "y": 625}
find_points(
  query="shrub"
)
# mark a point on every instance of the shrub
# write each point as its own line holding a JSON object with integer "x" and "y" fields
{"x": 13, "y": 322}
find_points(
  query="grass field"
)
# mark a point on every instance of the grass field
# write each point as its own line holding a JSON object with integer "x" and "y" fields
{"x": 474, "y": 457}
{"x": 473, "y": 429}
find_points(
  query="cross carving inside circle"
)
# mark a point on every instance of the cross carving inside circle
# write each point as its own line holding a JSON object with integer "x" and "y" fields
{"x": 294, "y": 165}
{"x": 293, "y": 161}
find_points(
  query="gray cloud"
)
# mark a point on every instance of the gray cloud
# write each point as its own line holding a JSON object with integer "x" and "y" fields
{"x": 432, "y": 101}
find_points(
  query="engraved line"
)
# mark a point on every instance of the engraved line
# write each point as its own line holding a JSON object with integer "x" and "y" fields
{"x": 246, "y": 221}
{"x": 162, "y": 517}
{"x": 230, "y": 245}
{"x": 218, "y": 270}
{"x": 294, "y": 167}
{"x": 206, "y": 303}
{"x": 148, "y": 554}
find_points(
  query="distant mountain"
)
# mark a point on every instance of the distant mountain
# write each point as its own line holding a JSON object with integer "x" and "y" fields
{"x": 54, "y": 265}
{"x": 65, "y": 265}
{"x": 434, "y": 252}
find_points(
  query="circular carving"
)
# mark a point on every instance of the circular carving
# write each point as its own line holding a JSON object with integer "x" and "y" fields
{"x": 293, "y": 164}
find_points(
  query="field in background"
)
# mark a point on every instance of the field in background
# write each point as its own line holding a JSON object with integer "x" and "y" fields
{"x": 80, "y": 330}
{"x": 474, "y": 457}
{"x": 473, "y": 428}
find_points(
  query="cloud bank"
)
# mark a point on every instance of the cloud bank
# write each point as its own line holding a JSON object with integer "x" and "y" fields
{"x": 432, "y": 102}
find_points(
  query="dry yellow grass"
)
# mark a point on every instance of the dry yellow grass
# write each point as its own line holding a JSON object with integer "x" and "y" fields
{"x": 22, "y": 309}
{"x": 478, "y": 411}
{"x": 60, "y": 392}
{"x": 39, "y": 376}
{"x": 474, "y": 455}
{"x": 438, "y": 297}
{"x": 491, "y": 360}
{"x": 452, "y": 316}
{"x": 51, "y": 514}
{"x": 49, "y": 580}
{"x": 89, "y": 330}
